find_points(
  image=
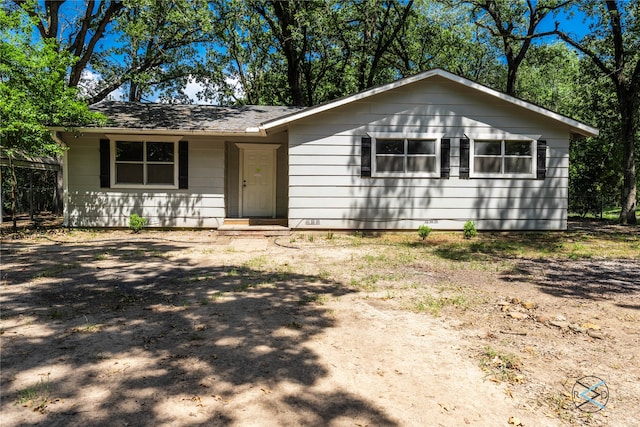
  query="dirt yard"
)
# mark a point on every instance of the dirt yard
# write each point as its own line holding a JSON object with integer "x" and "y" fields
{"x": 189, "y": 328}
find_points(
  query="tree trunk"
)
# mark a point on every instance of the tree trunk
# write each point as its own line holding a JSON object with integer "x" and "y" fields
{"x": 14, "y": 185}
{"x": 512, "y": 74}
{"x": 629, "y": 185}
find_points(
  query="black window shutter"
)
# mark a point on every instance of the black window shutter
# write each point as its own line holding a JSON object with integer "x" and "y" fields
{"x": 541, "y": 170}
{"x": 183, "y": 164}
{"x": 464, "y": 158}
{"x": 105, "y": 164}
{"x": 365, "y": 156}
{"x": 445, "y": 158}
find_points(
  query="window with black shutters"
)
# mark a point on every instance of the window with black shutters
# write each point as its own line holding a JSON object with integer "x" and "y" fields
{"x": 503, "y": 158}
{"x": 406, "y": 156}
{"x": 142, "y": 162}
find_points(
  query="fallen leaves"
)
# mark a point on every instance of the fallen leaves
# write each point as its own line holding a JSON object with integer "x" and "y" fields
{"x": 515, "y": 421}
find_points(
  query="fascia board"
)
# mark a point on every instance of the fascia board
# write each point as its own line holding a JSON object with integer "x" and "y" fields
{"x": 142, "y": 131}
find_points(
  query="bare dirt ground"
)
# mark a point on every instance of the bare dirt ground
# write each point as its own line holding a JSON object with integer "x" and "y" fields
{"x": 182, "y": 328}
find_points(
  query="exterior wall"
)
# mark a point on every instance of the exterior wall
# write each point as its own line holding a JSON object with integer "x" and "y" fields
{"x": 203, "y": 204}
{"x": 88, "y": 205}
{"x": 326, "y": 190}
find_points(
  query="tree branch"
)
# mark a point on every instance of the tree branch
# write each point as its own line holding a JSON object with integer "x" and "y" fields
{"x": 110, "y": 13}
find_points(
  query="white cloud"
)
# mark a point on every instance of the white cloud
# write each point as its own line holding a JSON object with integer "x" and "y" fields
{"x": 90, "y": 82}
{"x": 89, "y": 85}
{"x": 193, "y": 88}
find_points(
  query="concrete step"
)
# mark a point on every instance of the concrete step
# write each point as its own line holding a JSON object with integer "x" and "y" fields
{"x": 244, "y": 222}
{"x": 253, "y": 230}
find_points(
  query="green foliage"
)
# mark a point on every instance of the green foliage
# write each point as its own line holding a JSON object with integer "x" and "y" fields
{"x": 469, "y": 230}
{"x": 424, "y": 231}
{"x": 137, "y": 223}
{"x": 33, "y": 93}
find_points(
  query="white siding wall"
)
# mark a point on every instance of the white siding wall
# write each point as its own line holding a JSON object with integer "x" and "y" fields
{"x": 326, "y": 190}
{"x": 88, "y": 205}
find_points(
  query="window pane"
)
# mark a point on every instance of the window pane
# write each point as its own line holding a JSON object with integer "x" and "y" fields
{"x": 389, "y": 146}
{"x": 129, "y": 151}
{"x": 159, "y": 174}
{"x": 421, "y": 146}
{"x": 421, "y": 164}
{"x": 517, "y": 165}
{"x": 389, "y": 164}
{"x": 160, "y": 151}
{"x": 127, "y": 173}
{"x": 487, "y": 164}
{"x": 517, "y": 148}
{"x": 487, "y": 148}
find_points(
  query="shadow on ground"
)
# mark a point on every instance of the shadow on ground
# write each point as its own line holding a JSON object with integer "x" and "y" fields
{"x": 583, "y": 279}
{"x": 187, "y": 330}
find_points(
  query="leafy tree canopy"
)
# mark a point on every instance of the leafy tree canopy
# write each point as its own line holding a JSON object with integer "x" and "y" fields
{"x": 33, "y": 89}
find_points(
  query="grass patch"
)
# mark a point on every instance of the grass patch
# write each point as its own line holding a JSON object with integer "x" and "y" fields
{"x": 367, "y": 283}
{"x": 216, "y": 296}
{"x": 257, "y": 262}
{"x": 293, "y": 325}
{"x": 501, "y": 366}
{"x": 35, "y": 397}
{"x": 57, "y": 314}
{"x": 319, "y": 299}
{"x": 57, "y": 269}
{"x": 488, "y": 247}
{"x": 101, "y": 256}
{"x": 434, "y": 305}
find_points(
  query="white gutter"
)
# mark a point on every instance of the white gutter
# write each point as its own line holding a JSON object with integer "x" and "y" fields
{"x": 251, "y": 131}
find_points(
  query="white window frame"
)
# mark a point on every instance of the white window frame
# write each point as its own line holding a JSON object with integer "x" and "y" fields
{"x": 502, "y": 139}
{"x": 144, "y": 139}
{"x": 437, "y": 137}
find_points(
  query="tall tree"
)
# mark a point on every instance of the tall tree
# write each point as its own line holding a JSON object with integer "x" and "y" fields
{"x": 371, "y": 33}
{"x": 156, "y": 40}
{"x": 515, "y": 25}
{"x": 438, "y": 35}
{"x": 318, "y": 50}
{"x": 33, "y": 93}
{"x": 613, "y": 46}
{"x": 300, "y": 37}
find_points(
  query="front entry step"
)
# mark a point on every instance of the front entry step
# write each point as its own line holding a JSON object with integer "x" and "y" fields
{"x": 256, "y": 221}
{"x": 254, "y": 227}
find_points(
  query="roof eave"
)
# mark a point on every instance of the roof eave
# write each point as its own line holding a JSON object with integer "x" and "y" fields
{"x": 252, "y": 131}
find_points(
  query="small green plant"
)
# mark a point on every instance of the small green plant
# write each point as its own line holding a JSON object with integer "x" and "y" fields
{"x": 137, "y": 223}
{"x": 216, "y": 296}
{"x": 101, "y": 256}
{"x": 36, "y": 397}
{"x": 469, "y": 230}
{"x": 293, "y": 325}
{"x": 330, "y": 235}
{"x": 424, "y": 231}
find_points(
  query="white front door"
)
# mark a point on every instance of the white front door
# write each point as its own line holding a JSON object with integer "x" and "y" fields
{"x": 258, "y": 180}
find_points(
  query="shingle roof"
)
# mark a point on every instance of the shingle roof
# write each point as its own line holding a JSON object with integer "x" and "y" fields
{"x": 206, "y": 118}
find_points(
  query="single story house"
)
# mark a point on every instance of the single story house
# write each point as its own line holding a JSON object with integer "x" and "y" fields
{"x": 434, "y": 148}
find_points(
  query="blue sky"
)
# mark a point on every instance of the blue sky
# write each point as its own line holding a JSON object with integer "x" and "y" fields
{"x": 572, "y": 22}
